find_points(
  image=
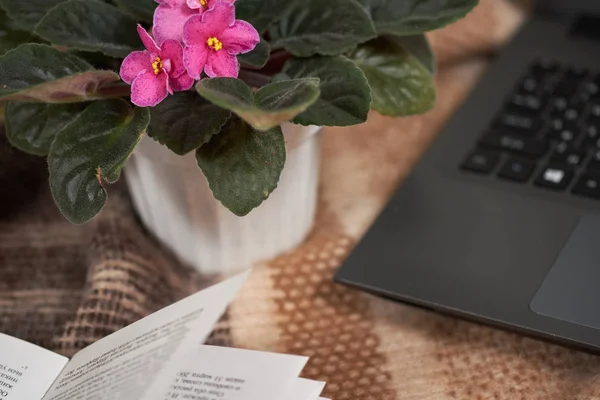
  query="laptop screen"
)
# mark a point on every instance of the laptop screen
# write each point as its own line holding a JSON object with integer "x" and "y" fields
{"x": 569, "y": 6}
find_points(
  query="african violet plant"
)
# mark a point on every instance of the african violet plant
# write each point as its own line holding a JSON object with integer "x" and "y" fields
{"x": 81, "y": 81}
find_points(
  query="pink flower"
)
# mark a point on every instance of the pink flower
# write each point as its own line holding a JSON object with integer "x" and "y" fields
{"x": 170, "y": 17}
{"x": 156, "y": 72}
{"x": 214, "y": 39}
{"x": 205, "y": 5}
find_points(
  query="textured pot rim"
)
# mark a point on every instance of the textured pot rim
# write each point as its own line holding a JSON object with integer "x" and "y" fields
{"x": 148, "y": 148}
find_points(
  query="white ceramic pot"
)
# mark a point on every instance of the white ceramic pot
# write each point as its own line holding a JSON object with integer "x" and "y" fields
{"x": 175, "y": 203}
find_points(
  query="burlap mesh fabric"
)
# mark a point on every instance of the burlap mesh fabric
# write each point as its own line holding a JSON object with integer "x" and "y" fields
{"x": 65, "y": 286}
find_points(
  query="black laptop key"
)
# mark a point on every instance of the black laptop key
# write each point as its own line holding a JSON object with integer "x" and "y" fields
{"x": 591, "y": 136}
{"x": 559, "y": 105}
{"x": 591, "y": 88}
{"x": 554, "y": 177}
{"x": 564, "y": 131}
{"x": 567, "y": 114}
{"x": 565, "y": 154}
{"x": 520, "y": 123}
{"x": 530, "y": 85}
{"x": 516, "y": 169}
{"x": 588, "y": 185}
{"x": 587, "y": 92}
{"x": 564, "y": 135}
{"x": 594, "y": 112}
{"x": 481, "y": 161}
{"x": 563, "y": 109}
{"x": 530, "y": 104}
{"x": 515, "y": 143}
{"x": 594, "y": 163}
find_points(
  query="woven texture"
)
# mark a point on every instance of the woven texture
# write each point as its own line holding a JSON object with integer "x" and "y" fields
{"x": 64, "y": 286}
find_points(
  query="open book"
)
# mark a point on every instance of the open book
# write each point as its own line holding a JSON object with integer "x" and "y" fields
{"x": 160, "y": 357}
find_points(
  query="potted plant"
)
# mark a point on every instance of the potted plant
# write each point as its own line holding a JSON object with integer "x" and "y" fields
{"x": 229, "y": 88}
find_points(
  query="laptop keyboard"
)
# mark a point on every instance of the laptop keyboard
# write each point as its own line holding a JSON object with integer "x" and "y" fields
{"x": 547, "y": 134}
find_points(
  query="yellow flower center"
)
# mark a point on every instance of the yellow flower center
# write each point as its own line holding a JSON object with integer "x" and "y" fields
{"x": 214, "y": 43}
{"x": 157, "y": 65}
{"x": 203, "y": 3}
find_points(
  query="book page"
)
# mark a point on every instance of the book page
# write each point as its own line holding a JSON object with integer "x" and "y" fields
{"x": 124, "y": 365}
{"x": 26, "y": 370}
{"x": 221, "y": 373}
{"x": 305, "y": 389}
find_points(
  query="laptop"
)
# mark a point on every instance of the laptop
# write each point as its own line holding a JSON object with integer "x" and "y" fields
{"x": 500, "y": 220}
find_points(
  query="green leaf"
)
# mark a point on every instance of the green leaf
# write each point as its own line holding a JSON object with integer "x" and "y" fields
{"x": 261, "y": 13}
{"x": 345, "y": 94}
{"x": 400, "y": 84}
{"x": 272, "y": 105}
{"x": 90, "y": 150}
{"x": 410, "y": 17}
{"x": 10, "y": 37}
{"x": 32, "y": 127}
{"x": 27, "y": 13}
{"x": 90, "y": 26}
{"x": 243, "y": 165}
{"x": 258, "y": 57}
{"x": 185, "y": 121}
{"x": 142, "y": 10}
{"x": 35, "y": 72}
{"x": 418, "y": 46}
{"x": 329, "y": 27}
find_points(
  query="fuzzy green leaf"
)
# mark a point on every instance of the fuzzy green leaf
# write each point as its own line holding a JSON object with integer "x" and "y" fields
{"x": 243, "y": 165}
{"x": 345, "y": 94}
{"x": 91, "y": 150}
{"x": 90, "y": 26}
{"x": 258, "y": 57}
{"x": 261, "y": 13}
{"x": 410, "y": 17}
{"x": 400, "y": 83}
{"x": 32, "y": 127}
{"x": 27, "y": 13}
{"x": 329, "y": 27}
{"x": 142, "y": 10}
{"x": 10, "y": 37}
{"x": 186, "y": 121}
{"x": 418, "y": 46}
{"x": 272, "y": 105}
{"x": 35, "y": 72}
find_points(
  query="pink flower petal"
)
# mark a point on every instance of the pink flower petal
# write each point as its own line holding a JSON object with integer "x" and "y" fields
{"x": 173, "y": 51}
{"x": 218, "y": 18}
{"x": 169, "y": 20}
{"x": 194, "y": 59}
{"x": 169, "y": 89}
{"x": 194, "y": 32}
{"x": 240, "y": 38}
{"x": 135, "y": 63}
{"x": 148, "y": 40}
{"x": 184, "y": 82}
{"x": 149, "y": 89}
{"x": 211, "y": 3}
{"x": 222, "y": 64}
{"x": 195, "y": 4}
{"x": 167, "y": 66}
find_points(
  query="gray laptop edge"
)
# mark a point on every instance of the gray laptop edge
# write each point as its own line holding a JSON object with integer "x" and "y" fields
{"x": 507, "y": 254}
